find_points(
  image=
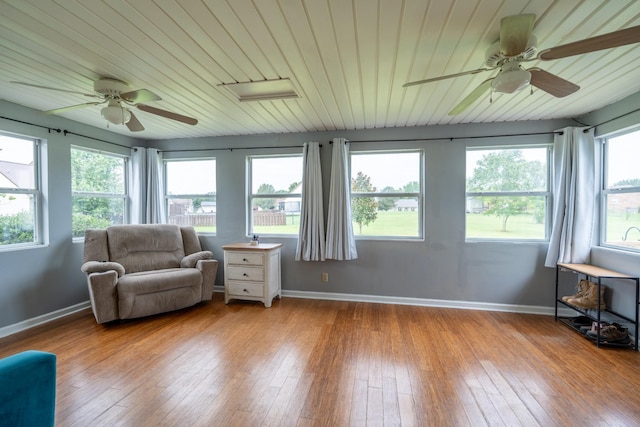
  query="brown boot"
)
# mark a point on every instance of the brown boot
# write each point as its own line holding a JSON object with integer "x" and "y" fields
{"x": 582, "y": 287}
{"x": 590, "y": 298}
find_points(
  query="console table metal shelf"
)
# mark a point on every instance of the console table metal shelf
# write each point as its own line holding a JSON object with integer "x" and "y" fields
{"x": 597, "y": 275}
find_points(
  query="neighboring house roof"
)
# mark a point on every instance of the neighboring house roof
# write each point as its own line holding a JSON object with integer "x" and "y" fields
{"x": 20, "y": 175}
{"x": 407, "y": 203}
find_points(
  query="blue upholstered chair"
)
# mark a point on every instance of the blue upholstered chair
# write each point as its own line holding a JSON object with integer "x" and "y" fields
{"x": 28, "y": 389}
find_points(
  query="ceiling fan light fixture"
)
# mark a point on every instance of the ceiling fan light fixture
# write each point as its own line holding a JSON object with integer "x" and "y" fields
{"x": 116, "y": 114}
{"x": 511, "y": 78}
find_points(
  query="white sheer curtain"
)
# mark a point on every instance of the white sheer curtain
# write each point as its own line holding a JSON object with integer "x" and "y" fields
{"x": 138, "y": 185}
{"x": 341, "y": 244}
{"x": 311, "y": 235}
{"x": 155, "y": 212}
{"x": 574, "y": 191}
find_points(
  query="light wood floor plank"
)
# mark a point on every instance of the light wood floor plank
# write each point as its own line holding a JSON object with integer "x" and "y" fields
{"x": 329, "y": 363}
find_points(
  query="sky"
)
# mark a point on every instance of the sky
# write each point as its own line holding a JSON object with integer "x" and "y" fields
{"x": 16, "y": 150}
{"x": 623, "y": 157}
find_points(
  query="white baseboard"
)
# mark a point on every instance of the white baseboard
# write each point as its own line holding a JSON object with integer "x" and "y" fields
{"x": 39, "y": 320}
{"x": 467, "y": 305}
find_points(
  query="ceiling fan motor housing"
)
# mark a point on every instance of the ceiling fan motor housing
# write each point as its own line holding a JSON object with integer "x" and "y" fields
{"x": 110, "y": 88}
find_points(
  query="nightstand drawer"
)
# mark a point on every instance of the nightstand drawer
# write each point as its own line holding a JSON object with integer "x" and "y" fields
{"x": 245, "y": 289}
{"x": 252, "y": 274}
{"x": 245, "y": 258}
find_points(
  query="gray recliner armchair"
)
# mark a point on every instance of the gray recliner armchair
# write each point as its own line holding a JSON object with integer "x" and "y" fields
{"x": 140, "y": 270}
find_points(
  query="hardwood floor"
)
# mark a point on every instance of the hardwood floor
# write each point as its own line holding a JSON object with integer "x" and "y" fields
{"x": 329, "y": 363}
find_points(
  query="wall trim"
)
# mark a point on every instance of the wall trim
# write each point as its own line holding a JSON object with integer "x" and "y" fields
{"x": 45, "y": 318}
{"x": 426, "y": 302}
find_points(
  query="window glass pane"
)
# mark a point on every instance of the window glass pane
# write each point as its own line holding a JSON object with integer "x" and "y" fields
{"x": 184, "y": 179}
{"x": 280, "y": 179}
{"x": 191, "y": 177}
{"x": 393, "y": 216}
{"x": 96, "y": 212}
{"x": 623, "y": 219}
{"x": 501, "y": 217}
{"x": 17, "y": 218}
{"x": 94, "y": 172}
{"x": 523, "y": 169}
{"x": 16, "y": 163}
{"x": 386, "y": 172}
{"x": 492, "y": 174}
{"x": 271, "y": 175}
{"x": 622, "y": 157}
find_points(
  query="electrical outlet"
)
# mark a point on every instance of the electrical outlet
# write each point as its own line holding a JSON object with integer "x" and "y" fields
{"x": 325, "y": 277}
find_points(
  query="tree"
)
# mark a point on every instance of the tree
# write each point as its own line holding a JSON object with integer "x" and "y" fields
{"x": 364, "y": 210}
{"x": 411, "y": 187}
{"x": 505, "y": 171}
{"x": 95, "y": 173}
{"x": 266, "y": 204}
{"x": 387, "y": 203}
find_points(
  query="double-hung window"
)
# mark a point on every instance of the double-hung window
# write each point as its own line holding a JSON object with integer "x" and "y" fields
{"x": 98, "y": 188}
{"x": 274, "y": 195}
{"x": 191, "y": 193}
{"x": 386, "y": 194}
{"x": 19, "y": 191}
{"x": 621, "y": 192}
{"x": 508, "y": 194}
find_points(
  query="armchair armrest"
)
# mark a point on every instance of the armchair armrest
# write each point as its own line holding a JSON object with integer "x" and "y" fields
{"x": 209, "y": 269}
{"x": 102, "y": 266}
{"x": 190, "y": 261}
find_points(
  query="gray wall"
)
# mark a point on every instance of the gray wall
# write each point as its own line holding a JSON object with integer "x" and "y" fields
{"x": 38, "y": 281}
{"x": 442, "y": 267}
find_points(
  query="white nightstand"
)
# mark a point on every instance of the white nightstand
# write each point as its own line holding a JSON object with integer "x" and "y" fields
{"x": 252, "y": 272}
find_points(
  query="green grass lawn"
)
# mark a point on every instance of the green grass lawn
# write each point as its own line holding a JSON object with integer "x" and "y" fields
{"x": 479, "y": 226}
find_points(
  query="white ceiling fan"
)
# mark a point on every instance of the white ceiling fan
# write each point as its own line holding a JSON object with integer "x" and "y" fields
{"x": 518, "y": 45}
{"x": 119, "y": 98}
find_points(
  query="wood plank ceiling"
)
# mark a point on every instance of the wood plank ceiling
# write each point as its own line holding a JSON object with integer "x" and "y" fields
{"x": 348, "y": 59}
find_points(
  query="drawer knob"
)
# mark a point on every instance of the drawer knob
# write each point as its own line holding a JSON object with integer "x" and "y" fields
{"x": 245, "y": 260}
{"x": 245, "y": 291}
{"x": 245, "y": 275}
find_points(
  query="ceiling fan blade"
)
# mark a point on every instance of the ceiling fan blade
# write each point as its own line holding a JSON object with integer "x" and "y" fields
{"x": 449, "y": 76}
{"x": 72, "y": 107}
{"x": 515, "y": 32}
{"x": 551, "y": 83}
{"x": 134, "y": 124}
{"x": 167, "y": 114}
{"x": 93, "y": 95}
{"x": 140, "y": 95}
{"x": 472, "y": 97}
{"x": 593, "y": 44}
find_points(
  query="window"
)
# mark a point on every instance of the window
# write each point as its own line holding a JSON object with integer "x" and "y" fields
{"x": 98, "y": 187}
{"x": 275, "y": 194}
{"x": 621, "y": 191}
{"x": 191, "y": 193}
{"x": 508, "y": 193}
{"x": 386, "y": 194}
{"x": 19, "y": 191}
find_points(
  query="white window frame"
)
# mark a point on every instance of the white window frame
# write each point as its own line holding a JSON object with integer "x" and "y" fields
{"x": 168, "y": 197}
{"x": 607, "y": 192}
{"x": 124, "y": 196}
{"x": 35, "y": 192}
{"x": 251, "y": 196}
{"x": 547, "y": 194}
{"x": 419, "y": 195}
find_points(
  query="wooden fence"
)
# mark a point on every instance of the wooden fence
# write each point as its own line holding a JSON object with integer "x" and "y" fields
{"x": 269, "y": 218}
{"x": 196, "y": 220}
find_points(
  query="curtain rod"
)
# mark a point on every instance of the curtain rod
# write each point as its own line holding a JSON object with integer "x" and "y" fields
{"x": 63, "y": 131}
{"x": 451, "y": 138}
{"x": 230, "y": 149}
{"x": 612, "y": 119}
